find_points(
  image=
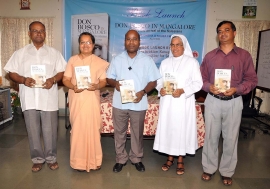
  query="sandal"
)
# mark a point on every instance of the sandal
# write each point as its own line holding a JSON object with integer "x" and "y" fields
{"x": 180, "y": 171}
{"x": 53, "y": 166}
{"x": 207, "y": 176}
{"x": 97, "y": 169}
{"x": 37, "y": 167}
{"x": 165, "y": 166}
{"x": 227, "y": 181}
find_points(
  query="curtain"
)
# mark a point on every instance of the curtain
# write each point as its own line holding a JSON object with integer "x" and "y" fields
{"x": 247, "y": 35}
{"x": 14, "y": 35}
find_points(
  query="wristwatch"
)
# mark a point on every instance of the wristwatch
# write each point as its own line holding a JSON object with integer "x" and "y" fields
{"x": 144, "y": 92}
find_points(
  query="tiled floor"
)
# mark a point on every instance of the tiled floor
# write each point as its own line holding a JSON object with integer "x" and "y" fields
{"x": 253, "y": 169}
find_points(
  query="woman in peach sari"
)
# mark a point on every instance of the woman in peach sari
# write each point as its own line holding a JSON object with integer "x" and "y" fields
{"x": 84, "y": 106}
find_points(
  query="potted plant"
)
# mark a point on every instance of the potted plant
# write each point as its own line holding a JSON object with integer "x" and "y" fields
{"x": 15, "y": 102}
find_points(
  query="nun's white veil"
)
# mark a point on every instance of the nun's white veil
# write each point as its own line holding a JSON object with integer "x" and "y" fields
{"x": 187, "y": 49}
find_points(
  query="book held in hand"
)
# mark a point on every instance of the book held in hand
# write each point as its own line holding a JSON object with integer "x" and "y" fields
{"x": 223, "y": 79}
{"x": 170, "y": 82}
{"x": 83, "y": 77}
{"x": 127, "y": 90}
{"x": 38, "y": 73}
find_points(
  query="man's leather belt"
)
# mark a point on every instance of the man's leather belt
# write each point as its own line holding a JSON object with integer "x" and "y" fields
{"x": 224, "y": 97}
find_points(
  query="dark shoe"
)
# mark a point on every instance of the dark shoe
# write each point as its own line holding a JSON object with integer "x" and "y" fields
{"x": 97, "y": 169}
{"x": 118, "y": 167}
{"x": 139, "y": 166}
{"x": 80, "y": 170}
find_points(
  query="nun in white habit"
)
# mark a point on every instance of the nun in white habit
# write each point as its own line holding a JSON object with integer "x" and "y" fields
{"x": 177, "y": 129}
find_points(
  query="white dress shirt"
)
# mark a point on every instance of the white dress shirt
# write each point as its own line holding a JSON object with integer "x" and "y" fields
{"x": 20, "y": 63}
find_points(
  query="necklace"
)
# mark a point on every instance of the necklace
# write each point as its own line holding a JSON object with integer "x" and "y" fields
{"x": 130, "y": 66}
{"x": 177, "y": 65}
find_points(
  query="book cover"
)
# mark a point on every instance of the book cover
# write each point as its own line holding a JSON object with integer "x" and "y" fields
{"x": 170, "y": 82}
{"x": 127, "y": 90}
{"x": 222, "y": 79}
{"x": 83, "y": 77}
{"x": 96, "y": 24}
{"x": 38, "y": 73}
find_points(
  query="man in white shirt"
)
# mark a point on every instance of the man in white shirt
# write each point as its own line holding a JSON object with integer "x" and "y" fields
{"x": 39, "y": 105}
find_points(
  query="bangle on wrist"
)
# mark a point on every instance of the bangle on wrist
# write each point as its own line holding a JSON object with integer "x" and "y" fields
{"x": 54, "y": 80}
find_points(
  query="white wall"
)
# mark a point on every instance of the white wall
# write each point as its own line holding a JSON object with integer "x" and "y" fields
{"x": 218, "y": 10}
{"x": 38, "y": 8}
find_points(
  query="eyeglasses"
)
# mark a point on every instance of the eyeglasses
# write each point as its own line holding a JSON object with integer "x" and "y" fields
{"x": 38, "y": 31}
{"x": 133, "y": 39}
{"x": 176, "y": 45}
{"x": 86, "y": 43}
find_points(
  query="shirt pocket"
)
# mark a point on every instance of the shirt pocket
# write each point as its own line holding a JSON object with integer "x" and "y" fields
{"x": 236, "y": 76}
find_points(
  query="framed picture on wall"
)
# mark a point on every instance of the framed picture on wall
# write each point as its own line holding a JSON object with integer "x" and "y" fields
{"x": 249, "y": 9}
{"x": 249, "y": 12}
{"x": 25, "y": 4}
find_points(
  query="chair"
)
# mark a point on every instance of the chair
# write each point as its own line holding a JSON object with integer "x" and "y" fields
{"x": 200, "y": 97}
{"x": 249, "y": 111}
{"x": 1, "y": 112}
